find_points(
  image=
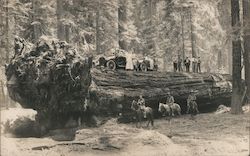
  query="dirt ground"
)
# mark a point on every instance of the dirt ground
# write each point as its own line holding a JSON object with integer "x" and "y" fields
{"x": 208, "y": 134}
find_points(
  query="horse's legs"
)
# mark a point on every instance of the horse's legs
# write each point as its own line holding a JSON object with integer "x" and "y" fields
{"x": 196, "y": 107}
{"x": 137, "y": 119}
{"x": 173, "y": 111}
{"x": 152, "y": 120}
{"x": 148, "y": 121}
{"x": 188, "y": 109}
{"x": 179, "y": 113}
{"x": 140, "y": 118}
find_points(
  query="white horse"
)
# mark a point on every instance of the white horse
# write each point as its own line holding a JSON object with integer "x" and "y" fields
{"x": 164, "y": 109}
{"x": 175, "y": 109}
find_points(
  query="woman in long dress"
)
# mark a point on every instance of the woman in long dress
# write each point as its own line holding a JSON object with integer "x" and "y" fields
{"x": 129, "y": 61}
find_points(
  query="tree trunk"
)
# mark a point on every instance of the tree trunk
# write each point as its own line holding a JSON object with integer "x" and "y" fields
{"x": 60, "y": 26}
{"x": 122, "y": 18}
{"x": 37, "y": 24}
{"x": 236, "y": 43}
{"x": 194, "y": 54}
{"x": 7, "y": 54}
{"x": 67, "y": 33}
{"x": 121, "y": 87}
{"x": 98, "y": 32}
{"x": 220, "y": 59}
{"x": 246, "y": 22}
{"x": 182, "y": 34}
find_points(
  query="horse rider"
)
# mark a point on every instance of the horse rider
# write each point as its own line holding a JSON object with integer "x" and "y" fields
{"x": 141, "y": 103}
{"x": 191, "y": 103}
{"x": 170, "y": 100}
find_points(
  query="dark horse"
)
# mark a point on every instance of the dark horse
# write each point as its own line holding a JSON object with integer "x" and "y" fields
{"x": 140, "y": 110}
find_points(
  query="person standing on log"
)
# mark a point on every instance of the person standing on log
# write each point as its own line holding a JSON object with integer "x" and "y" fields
{"x": 194, "y": 64}
{"x": 141, "y": 103}
{"x": 175, "y": 64}
{"x": 187, "y": 64}
{"x": 129, "y": 61}
{"x": 179, "y": 64}
{"x": 199, "y": 65}
{"x": 192, "y": 106}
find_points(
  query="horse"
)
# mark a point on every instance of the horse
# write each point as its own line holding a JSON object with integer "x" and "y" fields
{"x": 175, "y": 109}
{"x": 192, "y": 108}
{"x": 164, "y": 109}
{"x": 139, "y": 111}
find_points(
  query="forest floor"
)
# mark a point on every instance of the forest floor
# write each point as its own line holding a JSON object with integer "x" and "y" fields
{"x": 209, "y": 134}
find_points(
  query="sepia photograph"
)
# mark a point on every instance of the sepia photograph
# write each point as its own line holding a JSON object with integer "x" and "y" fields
{"x": 125, "y": 77}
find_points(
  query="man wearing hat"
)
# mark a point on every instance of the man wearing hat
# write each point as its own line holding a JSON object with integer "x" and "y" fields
{"x": 191, "y": 103}
{"x": 170, "y": 98}
{"x": 141, "y": 103}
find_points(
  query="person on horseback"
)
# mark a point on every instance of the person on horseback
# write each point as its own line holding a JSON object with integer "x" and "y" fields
{"x": 191, "y": 103}
{"x": 170, "y": 101}
{"x": 170, "y": 98}
{"x": 141, "y": 103}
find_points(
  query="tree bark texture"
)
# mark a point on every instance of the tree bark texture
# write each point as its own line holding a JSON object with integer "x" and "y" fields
{"x": 246, "y": 22}
{"x": 7, "y": 54}
{"x": 59, "y": 14}
{"x": 53, "y": 83}
{"x": 121, "y": 87}
{"x": 122, "y": 16}
{"x": 236, "y": 43}
{"x": 36, "y": 23}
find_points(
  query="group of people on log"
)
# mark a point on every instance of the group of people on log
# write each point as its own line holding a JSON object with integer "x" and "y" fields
{"x": 194, "y": 61}
{"x": 168, "y": 109}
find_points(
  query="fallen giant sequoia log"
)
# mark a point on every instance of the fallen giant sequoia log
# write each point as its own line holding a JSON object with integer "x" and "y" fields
{"x": 115, "y": 88}
{"x": 55, "y": 80}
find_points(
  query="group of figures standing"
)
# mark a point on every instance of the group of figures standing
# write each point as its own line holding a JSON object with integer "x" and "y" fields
{"x": 195, "y": 62}
{"x": 168, "y": 109}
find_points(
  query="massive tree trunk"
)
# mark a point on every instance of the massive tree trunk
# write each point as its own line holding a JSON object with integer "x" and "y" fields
{"x": 237, "y": 82}
{"x": 7, "y": 54}
{"x": 246, "y": 22}
{"x": 121, "y": 87}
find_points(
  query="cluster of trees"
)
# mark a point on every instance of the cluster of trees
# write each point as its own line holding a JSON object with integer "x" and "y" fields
{"x": 159, "y": 28}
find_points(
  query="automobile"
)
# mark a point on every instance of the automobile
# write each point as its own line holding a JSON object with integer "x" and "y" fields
{"x": 118, "y": 61}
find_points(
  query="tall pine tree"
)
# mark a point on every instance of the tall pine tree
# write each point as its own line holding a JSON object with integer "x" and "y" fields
{"x": 236, "y": 43}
